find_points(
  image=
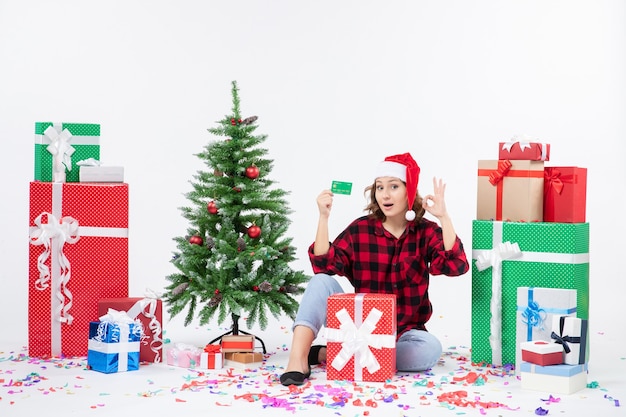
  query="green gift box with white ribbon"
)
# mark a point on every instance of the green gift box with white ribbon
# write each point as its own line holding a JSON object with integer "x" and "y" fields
{"x": 59, "y": 146}
{"x": 508, "y": 255}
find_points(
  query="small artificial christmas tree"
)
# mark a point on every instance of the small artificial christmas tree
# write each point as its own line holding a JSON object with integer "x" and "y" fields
{"x": 235, "y": 258}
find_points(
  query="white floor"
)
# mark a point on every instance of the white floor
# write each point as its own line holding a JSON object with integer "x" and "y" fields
{"x": 30, "y": 387}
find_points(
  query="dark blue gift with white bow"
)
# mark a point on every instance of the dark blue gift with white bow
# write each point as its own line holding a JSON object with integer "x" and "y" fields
{"x": 114, "y": 343}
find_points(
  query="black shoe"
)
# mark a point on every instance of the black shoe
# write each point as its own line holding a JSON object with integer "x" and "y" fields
{"x": 314, "y": 354}
{"x": 294, "y": 378}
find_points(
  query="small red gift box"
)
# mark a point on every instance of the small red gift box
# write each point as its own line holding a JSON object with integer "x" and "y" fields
{"x": 77, "y": 256}
{"x": 212, "y": 357}
{"x": 149, "y": 310}
{"x": 238, "y": 343}
{"x": 510, "y": 190}
{"x": 565, "y": 195}
{"x": 361, "y": 334}
{"x": 542, "y": 353}
{"x": 521, "y": 150}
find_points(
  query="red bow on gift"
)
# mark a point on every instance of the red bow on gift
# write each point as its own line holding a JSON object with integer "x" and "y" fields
{"x": 552, "y": 179}
{"x": 212, "y": 348}
{"x": 503, "y": 168}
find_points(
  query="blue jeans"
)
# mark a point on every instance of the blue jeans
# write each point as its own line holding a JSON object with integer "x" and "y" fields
{"x": 416, "y": 350}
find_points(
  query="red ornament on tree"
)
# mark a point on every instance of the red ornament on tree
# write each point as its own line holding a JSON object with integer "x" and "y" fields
{"x": 254, "y": 231}
{"x": 196, "y": 240}
{"x": 252, "y": 172}
{"x": 211, "y": 207}
{"x": 255, "y": 288}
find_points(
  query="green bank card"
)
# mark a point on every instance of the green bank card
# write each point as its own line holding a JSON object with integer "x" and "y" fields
{"x": 340, "y": 187}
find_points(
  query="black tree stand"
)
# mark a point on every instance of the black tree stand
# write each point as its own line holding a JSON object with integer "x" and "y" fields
{"x": 235, "y": 331}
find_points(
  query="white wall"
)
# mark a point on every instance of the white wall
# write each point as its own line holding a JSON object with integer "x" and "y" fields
{"x": 337, "y": 86}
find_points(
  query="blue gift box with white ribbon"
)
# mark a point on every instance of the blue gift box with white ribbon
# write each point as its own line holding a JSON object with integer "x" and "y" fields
{"x": 114, "y": 346}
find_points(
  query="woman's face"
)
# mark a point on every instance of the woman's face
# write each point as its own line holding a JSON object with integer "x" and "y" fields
{"x": 391, "y": 196}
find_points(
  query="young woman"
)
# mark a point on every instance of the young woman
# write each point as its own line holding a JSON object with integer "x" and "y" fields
{"x": 392, "y": 250}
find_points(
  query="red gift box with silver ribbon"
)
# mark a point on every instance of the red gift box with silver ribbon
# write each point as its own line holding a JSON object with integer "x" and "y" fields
{"x": 78, "y": 254}
{"x": 149, "y": 311}
{"x": 361, "y": 332}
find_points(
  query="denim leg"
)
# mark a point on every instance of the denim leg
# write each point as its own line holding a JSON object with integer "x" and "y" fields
{"x": 312, "y": 309}
{"x": 417, "y": 350}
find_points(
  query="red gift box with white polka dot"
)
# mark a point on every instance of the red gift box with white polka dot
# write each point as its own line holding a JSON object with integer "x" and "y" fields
{"x": 78, "y": 254}
{"x": 361, "y": 334}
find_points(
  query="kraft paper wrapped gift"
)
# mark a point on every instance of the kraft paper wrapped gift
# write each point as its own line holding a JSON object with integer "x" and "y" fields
{"x": 59, "y": 146}
{"x": 212, "y": 357}
{"x": 114, "y": 343}
{"x": 559, "y": 379}
{"x": 571, "y": 333}
{"x": 238, "y": 343}
{"x": 541, "y": 352}
{"x": 508, "y": 255}
{"x": 565, "y": 195}
{"x": 243, "y": 360}
{"x": 536, "y": 308}
{"x": 524, "y": 150}
{"x": 148, "y": 310}
{"x": 510, "y": 190}
{"x": 361, "y": 332}
{"x": 184, "y": 355}
{"x": 78, "y": 254}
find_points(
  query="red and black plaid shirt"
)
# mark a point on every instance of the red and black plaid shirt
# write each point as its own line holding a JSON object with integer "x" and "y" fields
{"x": 374, "y": 261}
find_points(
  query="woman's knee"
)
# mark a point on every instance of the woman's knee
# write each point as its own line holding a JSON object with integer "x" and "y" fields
{"x": 417, "y": 350}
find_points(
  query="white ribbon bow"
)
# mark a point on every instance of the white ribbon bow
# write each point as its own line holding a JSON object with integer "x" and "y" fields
{"x": 357, "y": 340}
{"x": 524, "y": 143}
{"x": 61, "y": 151}
{"x": 150, "y": 301}
{"x": 53, "y": 235}
{"x": 89, "y": 162}
{"x": 493, "y": 258}
{"x": 119, "y": 322}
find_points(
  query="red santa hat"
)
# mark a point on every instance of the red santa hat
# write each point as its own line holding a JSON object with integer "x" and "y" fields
{"x": 404, "y": 167}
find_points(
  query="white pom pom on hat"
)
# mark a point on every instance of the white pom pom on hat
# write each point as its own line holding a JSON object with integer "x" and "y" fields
{"x": 404, "y": 167}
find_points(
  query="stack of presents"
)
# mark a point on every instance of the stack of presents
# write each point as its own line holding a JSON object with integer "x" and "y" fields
{"x": 233, "y": 351}
{"x": 530, "y": 269}
{"x": 78, "y": 301}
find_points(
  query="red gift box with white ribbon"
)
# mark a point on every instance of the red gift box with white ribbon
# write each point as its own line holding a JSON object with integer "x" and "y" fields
{"x": 524, "y": 150}
{"x": 361, "y": 334}
{"x": 78, "y": 254}
{"x": 149, "y": 311}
